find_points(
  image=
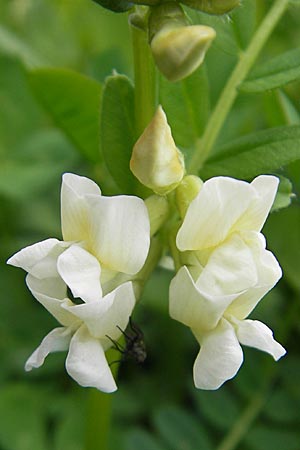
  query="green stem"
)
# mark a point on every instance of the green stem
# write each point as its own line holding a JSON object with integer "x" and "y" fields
{"x": 145, "y": 80}
{"x": 99, "y": 413}
{"x": 243, "y": 424}
{"x": 228, "y": 96}
{"x": 98, "y": 418}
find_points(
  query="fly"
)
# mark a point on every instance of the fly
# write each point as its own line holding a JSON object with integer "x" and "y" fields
{"x": 134, "y": 348}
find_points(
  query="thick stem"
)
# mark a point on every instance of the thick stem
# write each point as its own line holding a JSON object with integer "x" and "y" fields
{"x": 145, "y": 80}
{"x": 230, "y": 91}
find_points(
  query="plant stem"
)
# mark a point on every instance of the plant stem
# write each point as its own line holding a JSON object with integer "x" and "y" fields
{"x": 145, "y": 80}
{"x": 99, "y": 406}
{"x": 228, "y": 96}
{"x": 99, "y": 413}
{"x": 240, "y": 428}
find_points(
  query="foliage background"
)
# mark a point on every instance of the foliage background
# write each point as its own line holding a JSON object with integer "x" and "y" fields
{"x": 156, "y": 406}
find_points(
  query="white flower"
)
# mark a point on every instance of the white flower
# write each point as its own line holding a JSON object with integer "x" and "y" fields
{"x": 229, "y": 271}
{"x": 106, "y": 241}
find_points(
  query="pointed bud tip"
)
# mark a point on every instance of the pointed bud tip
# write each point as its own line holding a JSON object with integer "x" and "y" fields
{"x": 156, "y": 161}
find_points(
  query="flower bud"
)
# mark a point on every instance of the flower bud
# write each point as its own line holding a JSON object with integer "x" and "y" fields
{"x": 212, "y": 6}
{"x": 158, "y": 210}
{"x": 156, "y": 161}
{"x": 177, "y": 48}
{"x": 186, "y": 192}
{"x": 115, "y": 5}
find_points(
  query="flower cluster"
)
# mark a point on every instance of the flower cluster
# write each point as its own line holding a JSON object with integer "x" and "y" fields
{"x": 227, "y": 271}
{"x": 106, "y": 242}
{"x": 87, "y": 281}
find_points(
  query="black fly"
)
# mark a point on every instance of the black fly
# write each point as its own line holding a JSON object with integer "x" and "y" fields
{"x": 134, "y": 348}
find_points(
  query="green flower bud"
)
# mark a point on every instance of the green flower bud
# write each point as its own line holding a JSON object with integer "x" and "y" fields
{"x": 158, "y": 210}
{"x": 177, "y": 48}
{"x": 212, "y": 6}
{"x": 186, "y": 192}
{"x": 115, "y": 5}
{"x": 156, "y": 161}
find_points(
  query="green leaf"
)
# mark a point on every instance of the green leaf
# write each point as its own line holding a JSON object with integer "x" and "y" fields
{"x": 13, "y": 45}
{"x": 141, "y": 440}
{"x": 73, "y": 102}
{"x": 22, "y": 411}
{"x": 181, "y": 430}
{"x": 22, "y": 180}
{"x": 117, "y": 130}
{"x": 243, "y": 21}
{"x": 286, "y": 244}
{"x": 261, "y": 152}
{"x": 212, "y": 405}
{"x": 187, "y": 106}
{"x": 282, "y": 407}
{"x": 265, "y": 438}
{"x": 284, "y": 194}
{"x": 274, "y": 73}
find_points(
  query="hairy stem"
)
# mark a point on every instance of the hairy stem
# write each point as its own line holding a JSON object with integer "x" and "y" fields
{"x": 229, "y": 94}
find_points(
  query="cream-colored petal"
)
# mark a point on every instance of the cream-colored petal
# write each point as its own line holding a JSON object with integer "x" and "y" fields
{"x": 220, "y": 357}
{"x": 230, "y": 269}
{"x": 86, "y": 362}
{"x": 51, "y": 293}
{"x": 104, "y": 317}
{"x": 74, "y": 220}
{"x": 265, "y": 188}
{"x": 196, "y": 309}
{"x": 38, "y": 259}
{"x": 256, "y": 334}
{"x": 56, "y": 341}
{"x": 81, "y": 272}
{"x": 119, "y": 232}
{"x": 212, "y": 214}
{"x": 268, "y": 270}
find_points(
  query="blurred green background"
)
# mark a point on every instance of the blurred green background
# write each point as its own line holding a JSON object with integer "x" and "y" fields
{"x": 156, "y": 406}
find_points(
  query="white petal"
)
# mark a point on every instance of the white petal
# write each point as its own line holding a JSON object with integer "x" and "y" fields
{"x": 256, "y": 334}
{"x": 103, "y": 317}
{"x": 57, "y": 340}
{"x": 86, "y": 362}
{"x": 38, "y": 259}
{"x": 219, "y": 359}
{"x": 81, "y": 272}
{"x": 51, "y": 293}
{"x": 268, "y": 270}
{"x": 73, "y": 207}
{"x": 265, "y": 187}
{"x": 211, "y": 215}
{"x": 120, "y": 232}
{"x": 230, "y": 269}
{"x": 192, "y": 307}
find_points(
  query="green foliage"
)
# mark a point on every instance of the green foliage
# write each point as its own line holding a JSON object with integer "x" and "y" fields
{"x": 274, "y": 73}
{"x": 284, "y": 194}
{"x": 186, "y": 102}
{"x": 81, "y": 126}
{"x": 261, "y": 152}
{"x": 73, "y": 102}
{"x": 117, "y": 130}
{"x": 138, "y": 438}
{"x": 180, "y": 430}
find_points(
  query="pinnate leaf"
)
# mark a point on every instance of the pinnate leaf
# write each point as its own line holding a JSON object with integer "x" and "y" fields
{"x": 73, "y": 102}
{"x": 261, "y": 152}
{"x": 274, "y": 73}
